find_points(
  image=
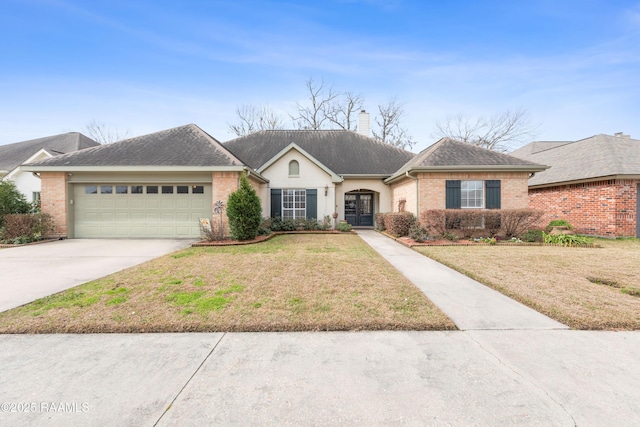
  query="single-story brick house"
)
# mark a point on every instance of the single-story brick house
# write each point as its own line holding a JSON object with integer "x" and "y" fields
{"x": 13, "y": 155}
{"x": 593, "y": 183}
{"x": 159, "y": 185}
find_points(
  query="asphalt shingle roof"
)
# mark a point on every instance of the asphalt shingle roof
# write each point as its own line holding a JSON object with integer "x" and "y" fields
{"x": 455, "y": 154}
{"x": 342, "y": 151}
{"x": 598, "y": 156}
{"x": 181, "y": 146}
{"x": 13, "y": 155}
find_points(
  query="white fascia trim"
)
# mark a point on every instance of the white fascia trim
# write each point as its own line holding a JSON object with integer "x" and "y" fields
{"x": 136, "y": 169}
{"x": 471, "y": 168}
{"x": 293, "y": 146}
{"x": 29, "y": 160}
{"x": 364, "y": 176}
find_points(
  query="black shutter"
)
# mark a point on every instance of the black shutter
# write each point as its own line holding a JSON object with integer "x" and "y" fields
{"x": 276, "y": 202}
{"x": 312, "y": 203}
{"x": 492, "y": 194}
{"x": 454, "y": 197}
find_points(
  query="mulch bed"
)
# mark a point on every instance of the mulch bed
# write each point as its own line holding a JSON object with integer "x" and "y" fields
{"x": 229, "y": 242}
{"x": 11, "y": 245}
{"x": 410, "y": 243}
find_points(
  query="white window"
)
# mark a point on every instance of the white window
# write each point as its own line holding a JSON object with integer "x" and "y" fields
{"x": 294, "y": 168}
{"x": 472, "y": 194}
{"x": 35, "y": 196}
{"x": 294, "y": 204}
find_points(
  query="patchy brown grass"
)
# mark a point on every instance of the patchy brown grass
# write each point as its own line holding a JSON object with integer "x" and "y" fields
{"x": 585, "y": 288}
{"x": 289, "y": 283}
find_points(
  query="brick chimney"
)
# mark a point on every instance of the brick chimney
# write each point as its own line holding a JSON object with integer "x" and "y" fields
{"x": 364, "y": 124}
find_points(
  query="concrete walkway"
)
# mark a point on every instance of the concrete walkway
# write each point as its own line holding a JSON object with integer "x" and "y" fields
{"x": 35, "y": 271}
{"x": 470, "y": 304}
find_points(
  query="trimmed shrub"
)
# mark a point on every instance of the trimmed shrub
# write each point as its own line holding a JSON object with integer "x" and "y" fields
{"x": 418, "y": 233}
{"x": 532, "y": 236}
{"x": 398, "y": 223}
{"x": 559, "y": 223}
{"x": 518, "y": 221}
{"x": 26, "y": 228}
{"x": 344, "y": 226}
{"x": 470, "y": 221}
{"x": 12, "y": 201}
{"x": 379, "y": 219}
{"x": 435, "y": 221}
{"x": 492, "y": 222}
{"x": 244, "y": 211}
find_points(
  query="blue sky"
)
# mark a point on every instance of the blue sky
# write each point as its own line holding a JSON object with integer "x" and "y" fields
{"x": 145, "y": 66}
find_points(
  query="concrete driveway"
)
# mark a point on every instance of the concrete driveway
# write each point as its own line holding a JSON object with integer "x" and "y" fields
{"x": 35, "y": 271}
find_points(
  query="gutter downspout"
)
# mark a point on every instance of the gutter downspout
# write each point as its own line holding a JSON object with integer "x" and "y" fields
{"x": 417, "y": 193}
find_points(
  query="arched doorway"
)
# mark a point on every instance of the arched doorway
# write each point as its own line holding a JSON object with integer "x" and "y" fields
{"x": 358, "y": 208}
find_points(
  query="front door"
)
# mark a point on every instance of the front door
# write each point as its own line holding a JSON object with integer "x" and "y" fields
{"x": 358, "y": 209}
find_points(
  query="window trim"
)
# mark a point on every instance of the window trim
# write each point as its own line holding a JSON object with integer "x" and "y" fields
{"x": 464, "y": 200}
{"x": 294, "y": 168}
{"x": 299, "y": 196}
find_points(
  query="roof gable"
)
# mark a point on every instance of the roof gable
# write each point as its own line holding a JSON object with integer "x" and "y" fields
{"x": 343, "y": 152}
{"x": 13, "y": 155}
{"x": 595, "y": 157}
{"x": 184, "y": 146}
{"x": 294, "y": 146}
{"x": 451, "y": 155}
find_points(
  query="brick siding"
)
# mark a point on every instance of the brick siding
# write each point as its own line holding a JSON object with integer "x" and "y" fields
{"x": 602, "y": 208}
{"x": 53, "y": 200}
{"x": 223, "y": 184}
{"x": 513, "y": 188}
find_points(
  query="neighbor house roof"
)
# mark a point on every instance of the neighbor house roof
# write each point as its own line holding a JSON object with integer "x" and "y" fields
{"x": 598, "y": 157}
{"x": 184, "y": 147}
{"x": 451, "y": 155}
{"x": 13, "y": 155}
{"x": 344, "y": 152}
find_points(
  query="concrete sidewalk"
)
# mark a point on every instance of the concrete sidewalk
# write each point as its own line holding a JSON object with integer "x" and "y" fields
{"x": 454, "y": 378}
{"x": 470, "y": 304}
{"x": 35, "y": 271}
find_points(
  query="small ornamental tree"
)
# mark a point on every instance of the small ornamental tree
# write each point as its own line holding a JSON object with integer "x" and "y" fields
{"x": 11, "y": 200}
{"x": 244, "y": 211}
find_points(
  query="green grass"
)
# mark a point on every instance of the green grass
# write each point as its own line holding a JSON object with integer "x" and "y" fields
{"x": 288, "y": 283}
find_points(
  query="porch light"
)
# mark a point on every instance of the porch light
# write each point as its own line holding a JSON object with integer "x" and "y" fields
{"x": 326, "y": 190}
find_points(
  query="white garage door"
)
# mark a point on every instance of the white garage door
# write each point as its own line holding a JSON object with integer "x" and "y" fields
{"x": 131, "y": 210}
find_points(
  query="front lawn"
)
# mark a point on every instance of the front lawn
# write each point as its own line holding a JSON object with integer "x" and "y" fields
{"x": 289, "y": 283}
{"x": 585, "y": 288}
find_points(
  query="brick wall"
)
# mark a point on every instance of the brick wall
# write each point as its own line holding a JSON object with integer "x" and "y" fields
{"x": 54, "y": 200}
{"x": 513, "y": 188}
{"x": 404, "y": 190}
{"x": 603, "y": 208}
{"x": 223, "y": 184}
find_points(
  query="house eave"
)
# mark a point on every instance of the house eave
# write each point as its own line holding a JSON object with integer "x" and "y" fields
{"x": 468, "y": 168}
{"x": 364, "y": 176}
{"x": 293, "y": 146}
{"x": 36, "y": 168}
{"x": 584, "y": 181}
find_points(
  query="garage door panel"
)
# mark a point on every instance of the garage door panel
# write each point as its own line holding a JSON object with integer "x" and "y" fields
{"x": 139, "y": 215}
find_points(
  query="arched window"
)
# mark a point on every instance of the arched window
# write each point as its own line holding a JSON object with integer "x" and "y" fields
{"x": 294, "y": 168}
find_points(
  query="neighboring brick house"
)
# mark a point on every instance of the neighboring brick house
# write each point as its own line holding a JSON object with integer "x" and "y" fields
{"x": 13, "y": 155}
{"x": 159, "y": 185}
{"x": 453, "y": 175}
{"x": 593, "y": 183}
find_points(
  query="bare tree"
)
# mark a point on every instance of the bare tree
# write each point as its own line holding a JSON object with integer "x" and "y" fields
{"x": 254, "y": 118}
{"x": 313, "y": 115}
{"x": 343, "y": 112}
{"x": 498, "y": 132}
{"x": 389, "y": 129}
{"x": 104, "y": 134}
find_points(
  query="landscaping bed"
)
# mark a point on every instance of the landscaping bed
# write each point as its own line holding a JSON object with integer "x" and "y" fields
{"x": 299, "y": 282}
